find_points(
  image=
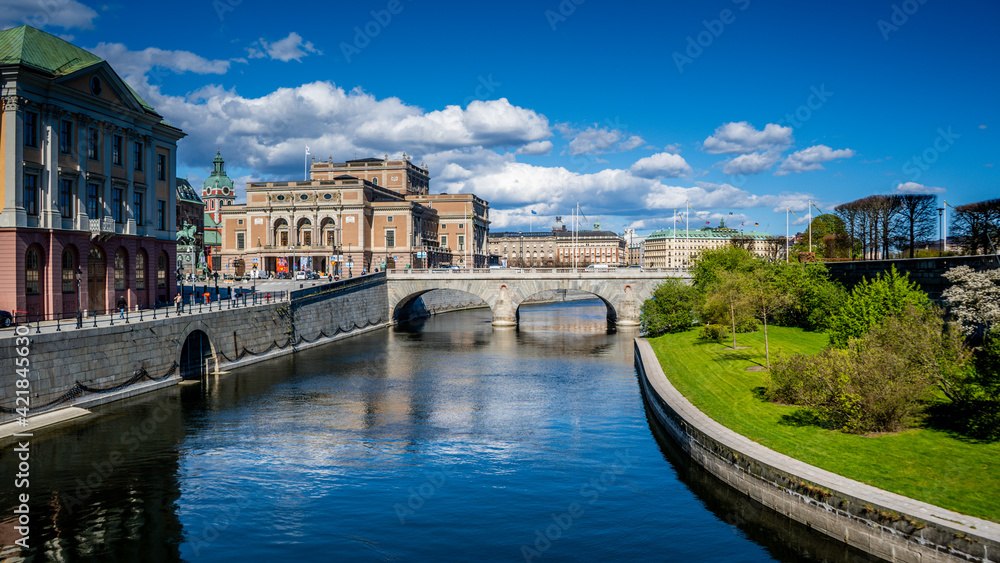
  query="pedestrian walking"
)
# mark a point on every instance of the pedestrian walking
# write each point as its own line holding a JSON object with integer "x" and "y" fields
{"x": 122, "y": 304}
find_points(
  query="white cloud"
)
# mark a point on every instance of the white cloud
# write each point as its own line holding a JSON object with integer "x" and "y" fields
{"x": 291, "y": 48}
{"x": 673, "y": 147}
{"x": 915, "y": 188}
{"x": 134, "y": 64}
{"x": 741, "y": 138}
{"x": 536, "y": 148}
{"x": 598, "y": 140}
{"x": 662, "y": 164}
{"x": 753, "y": 163}
{"x": 67, "y": 14}
{"x": 811, "y": 159}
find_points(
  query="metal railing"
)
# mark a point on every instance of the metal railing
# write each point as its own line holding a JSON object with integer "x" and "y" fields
{"x": 497, "y": 271}
{"x": 191, "y": 304}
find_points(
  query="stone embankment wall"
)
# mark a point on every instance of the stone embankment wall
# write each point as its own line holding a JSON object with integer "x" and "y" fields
{"x": 928, "y": 273}
{"x": 884, "y": 524}
{"x": 93, "y": 365}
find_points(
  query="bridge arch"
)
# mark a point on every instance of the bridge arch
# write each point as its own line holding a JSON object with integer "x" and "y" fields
{"x": 407, "y": 307}
{"x": 195, "y": 352}
{"x": 612, "y": 311}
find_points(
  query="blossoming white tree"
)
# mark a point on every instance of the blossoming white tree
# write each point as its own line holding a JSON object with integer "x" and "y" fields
{"x": 974, "y": 297}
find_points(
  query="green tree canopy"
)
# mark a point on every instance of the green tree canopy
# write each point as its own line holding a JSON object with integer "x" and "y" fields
{"x": 670, "y": 309}
{"x": 872, "y": 301}
{"x": 710, "y": 263}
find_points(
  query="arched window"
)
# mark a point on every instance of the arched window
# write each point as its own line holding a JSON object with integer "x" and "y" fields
{"x": 375, "y": 180}
{"x": 140, "y": 270}
{"x": 120, "y": 270}
{"x": 68, "y": 271}
{"x": 32, "y": 272}
{"x": 161, "y": 272}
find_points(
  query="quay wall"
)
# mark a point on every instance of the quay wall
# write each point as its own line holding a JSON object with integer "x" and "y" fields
{"x": 884, "y": 524}
{"x": 90, "y": 366}
{"x": 927, "y": 273}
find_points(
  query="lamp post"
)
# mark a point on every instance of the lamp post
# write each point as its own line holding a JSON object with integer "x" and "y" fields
{"x": 385, "y": 265}
{"x": 940, "y": 211}
{"x": 295, "y": 265}
{"x": 350, "y": 262}
{"x": 79, "y": 298}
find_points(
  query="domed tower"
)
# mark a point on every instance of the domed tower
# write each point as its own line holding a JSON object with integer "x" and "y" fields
{"x": 218, "y": 190}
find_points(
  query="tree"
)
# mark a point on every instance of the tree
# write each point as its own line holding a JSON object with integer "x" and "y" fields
{"x": 916, "y": 221}
{"x": 872, "y": 301}
{"x": 763, "y": 297}
{"x": 973, "y": 298}
{"x": 728, "y": 292}
{"x": 825, "y": 225}
{"x": 978, "y": 225}
{"x": 670, "y": 309}
{"x": 814, "y": 299}
{"x": 710, "y": 263}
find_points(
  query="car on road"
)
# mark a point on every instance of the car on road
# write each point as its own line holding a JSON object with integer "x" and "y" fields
{"x": 300, "y": 276}
{"x": 6, "y": 319}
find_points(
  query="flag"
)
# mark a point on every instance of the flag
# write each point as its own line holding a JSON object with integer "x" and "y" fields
{"x": 307, "y": 149}
{"x": 707, "y": 223}
{"x": 817, "y": 208}
{"x": 730, "y": 212}
{"x": 756, "y": 224}
{"x": 533, "y": 212}
{"x": 743, "y": 223}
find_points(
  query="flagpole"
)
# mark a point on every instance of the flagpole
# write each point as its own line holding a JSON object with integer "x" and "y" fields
{"x": 944, "y": 246}
{"x": 306, "y": 163}
{"x": 786, "y": 234}
{"x": 810, "y": 227}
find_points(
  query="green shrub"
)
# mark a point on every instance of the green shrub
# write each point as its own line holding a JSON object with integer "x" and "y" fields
{"x": 714, "y": 332}
{"x": 872, "y": 301}
{"x": 670, "y": 309}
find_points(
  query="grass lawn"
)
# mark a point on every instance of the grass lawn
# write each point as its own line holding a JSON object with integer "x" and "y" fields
{"x": 925, "y": 464}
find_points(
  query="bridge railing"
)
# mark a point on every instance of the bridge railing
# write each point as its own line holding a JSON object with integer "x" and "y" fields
{"x": 500, "y": 272}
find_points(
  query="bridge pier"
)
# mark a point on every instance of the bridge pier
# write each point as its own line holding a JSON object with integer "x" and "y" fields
{"x": 628, "y": 309}
{"x": 504, "y": 310}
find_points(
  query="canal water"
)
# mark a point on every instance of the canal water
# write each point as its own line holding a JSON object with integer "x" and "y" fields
{"x": 443, "y": 440}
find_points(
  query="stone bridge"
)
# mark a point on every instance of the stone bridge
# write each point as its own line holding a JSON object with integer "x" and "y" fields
{"x": 622, "y": 291}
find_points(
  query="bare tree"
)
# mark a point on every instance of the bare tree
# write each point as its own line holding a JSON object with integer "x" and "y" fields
{"x": 850, "y": 213}
{"x": 916, "y": 220}
{"x": 979, "y": 225}
{"x": 774, "y": 248}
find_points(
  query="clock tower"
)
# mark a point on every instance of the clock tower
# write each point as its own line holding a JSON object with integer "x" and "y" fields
{"x": 218, "y": 191}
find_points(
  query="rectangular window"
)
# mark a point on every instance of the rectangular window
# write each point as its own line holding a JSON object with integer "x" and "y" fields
{"x": 31, "y": 194}
{"x": 444, "y": 240}
{"x": 161, "y": 215}
{"x": 94, "y": 201}
{"x": 161, "y": 166}
{"x": 65, "y": 137}
{"x": 389, "y": 219}
{"x": 241, "y": 241}
{"x": 461, "y": 242}
{"x": 66, "y": 197}
{"x": 116, "y": 150}
{"x": 30, "y": 129}
{"x": 137, "y": 207}
{"x": 390, "y": 239}
{"x": 137, "y": 156}
{"x": 117, "y": 204}
{"x": 68, "y": 272}
{"x": 93, "y": 143}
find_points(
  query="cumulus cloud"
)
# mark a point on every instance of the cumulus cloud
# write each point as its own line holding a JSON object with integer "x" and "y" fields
{"x": 134, "y": 64}
{"x": 291, "y": 48}
{"x": 915, "y": 188}
{"x": 811, "y": 158}
{"x": 753, "y": 163}
{"x": 742, "y": 138}
{"x": 67, "y": 14}
{"x": 662, "y": 164}
{"x": 598, "y": 140}
{"x": 536, "y": 148}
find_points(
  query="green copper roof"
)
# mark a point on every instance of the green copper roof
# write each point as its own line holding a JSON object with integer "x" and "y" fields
{"x": 45, "y": 52}
{"x": 218, "y": 179}
{"x": 30, "y": 47}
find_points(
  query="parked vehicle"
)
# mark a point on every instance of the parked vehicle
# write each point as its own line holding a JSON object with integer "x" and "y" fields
{"x": 300, "y": 276}
{"x": 6, "y": 319}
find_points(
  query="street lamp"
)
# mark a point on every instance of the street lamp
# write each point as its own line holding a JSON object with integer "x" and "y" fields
{"x": 350, "y": 262}
{"x": 79, "y": 298}
{"x": 940, "y": 211}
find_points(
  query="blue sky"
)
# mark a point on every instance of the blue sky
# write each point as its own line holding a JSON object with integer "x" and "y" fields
{"x": 631, "y": 109}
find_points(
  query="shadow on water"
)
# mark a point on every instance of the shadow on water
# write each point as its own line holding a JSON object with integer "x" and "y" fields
{"x": 783, "y": 538}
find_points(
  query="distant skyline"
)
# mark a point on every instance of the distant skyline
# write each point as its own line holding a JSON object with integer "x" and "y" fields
{"x": 630, "y": 109}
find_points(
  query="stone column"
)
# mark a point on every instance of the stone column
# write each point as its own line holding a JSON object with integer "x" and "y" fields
{"x": 505, "y": 309}
{"x": 13, "y": 175}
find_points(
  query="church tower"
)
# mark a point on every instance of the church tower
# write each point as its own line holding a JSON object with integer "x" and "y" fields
{"x": 218, "y": 190}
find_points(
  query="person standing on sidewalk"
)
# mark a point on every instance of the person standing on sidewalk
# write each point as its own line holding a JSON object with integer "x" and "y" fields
{"x": 178, "y": 303}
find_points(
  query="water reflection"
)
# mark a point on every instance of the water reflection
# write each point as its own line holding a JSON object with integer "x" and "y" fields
{"x": 445, "y": 440}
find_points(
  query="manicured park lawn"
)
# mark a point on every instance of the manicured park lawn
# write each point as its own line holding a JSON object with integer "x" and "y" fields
{"x": 925, "y": 464}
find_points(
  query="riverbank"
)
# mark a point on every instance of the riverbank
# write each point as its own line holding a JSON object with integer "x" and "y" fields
{"x": 880, "y": 522}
